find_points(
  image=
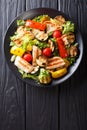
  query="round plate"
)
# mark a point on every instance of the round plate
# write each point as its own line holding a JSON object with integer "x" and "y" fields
{"x": 31, "y": 14}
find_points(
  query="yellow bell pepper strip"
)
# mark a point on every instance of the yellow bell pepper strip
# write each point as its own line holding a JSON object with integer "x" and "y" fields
{"x": 36, "y": 25}
{"x": 29, "y": 47}
{"x": 17, "y": 51}
{"x": 59, "y": 73}
{"x": 67, "y": 62}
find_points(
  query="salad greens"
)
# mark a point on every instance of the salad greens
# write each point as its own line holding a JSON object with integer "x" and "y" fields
{"x": 43, "y": 48}
{"x": 20, "y": 22}
{"x": 68, "y": 27}
{"x": 25, "y": 75}
{"x": 41, "y": 45}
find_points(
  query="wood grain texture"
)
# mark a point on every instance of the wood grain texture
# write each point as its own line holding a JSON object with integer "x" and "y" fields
{"x": 73, "y": 93}
{"x": 41, "y": 108}
{"x": 41, "y": 3}
{"x": 12, "y": 94}
{"x": 26, "y": 107}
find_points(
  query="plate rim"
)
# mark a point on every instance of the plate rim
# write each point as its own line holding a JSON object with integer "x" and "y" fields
{"x": 62, "y": 79}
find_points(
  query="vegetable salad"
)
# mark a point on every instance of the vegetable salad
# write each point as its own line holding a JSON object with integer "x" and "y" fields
{"x": 43, "y": 48}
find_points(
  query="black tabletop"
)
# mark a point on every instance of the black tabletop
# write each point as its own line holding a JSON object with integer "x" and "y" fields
{"x": 27, "y": 107}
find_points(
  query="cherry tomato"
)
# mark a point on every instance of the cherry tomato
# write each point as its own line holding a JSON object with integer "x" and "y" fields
{"x": 47, "y": 52}
{"x": 57, "y": 34}
{"x": 27, "y": 57}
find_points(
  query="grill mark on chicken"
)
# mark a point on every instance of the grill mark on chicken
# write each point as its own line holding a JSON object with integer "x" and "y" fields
{"x": 35, "y": 53}
{"x": 21, "y": 32}
{"x": 23, "y": 65}
{"x": 60, "y": 19}
{"x": 42, "y": 61}
{"x": 54, "y": 59}
{"x": 68, "y": 38}
{"x": 40, "y": 35}
{"x": 55, "y": 65}
{"x": 52, "y": 27}
{"x": 55, "y": 62}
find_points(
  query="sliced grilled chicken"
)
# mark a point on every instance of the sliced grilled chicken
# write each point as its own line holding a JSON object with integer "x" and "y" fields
{"x": 55, "y": 62}
{"x": 51, "y": 45}
{"x": 42, "y": 61}
{"x": 17, "y": 42}
{"x": 52, "y": 27}
{"x": 40, "y": 35}
{"x": 23, "y": 65}
{"x": 68, "y": 38}
{"x": 35, "y": 53}
{"x": 36, "y": 68}
{"x": 60, "y": 20}
{"x": 20, "y": 30}
{"x": 73, "y": 51}
{"x": 21, "y": 33}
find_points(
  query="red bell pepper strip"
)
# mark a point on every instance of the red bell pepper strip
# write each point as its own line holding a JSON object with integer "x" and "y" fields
{"x": 36, "y": 25}
{"x": 62, "y": 50}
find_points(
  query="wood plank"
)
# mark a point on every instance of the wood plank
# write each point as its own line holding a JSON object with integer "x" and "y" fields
{"x": 73, "y": 106}
{"x": 12, "y": 91}
{"x": 41, "y": 103}
{"x": 41, "y": 3}
{"x": 63, "y": 107}
{"x": 41, "y": 108}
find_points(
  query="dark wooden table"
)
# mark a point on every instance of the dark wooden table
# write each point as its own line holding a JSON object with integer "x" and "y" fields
{"x": 25, "y": 107}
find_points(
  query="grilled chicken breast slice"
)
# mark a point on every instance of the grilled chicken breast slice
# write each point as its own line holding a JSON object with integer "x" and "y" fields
{"x": 52, "y": 27}
{"x": 23, "y": 65}
{"x": 42, "y": 61}
{"x": 55, "y": 62}
{"x": 40, "y": 35}
{"x": 68, "y": 38}
{"x": 35, "y": 53}
{"x": 73, "y": 51}
{"x": 51, "y": 45}
{"x": 21, "y": 33}
{"x": 60, "y": 20}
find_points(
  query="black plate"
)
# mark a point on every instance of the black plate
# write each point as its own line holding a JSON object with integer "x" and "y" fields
{"x": 30, "y": 14}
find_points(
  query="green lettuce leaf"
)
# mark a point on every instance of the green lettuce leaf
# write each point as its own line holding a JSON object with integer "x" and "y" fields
{"x": 68, "y": 27}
